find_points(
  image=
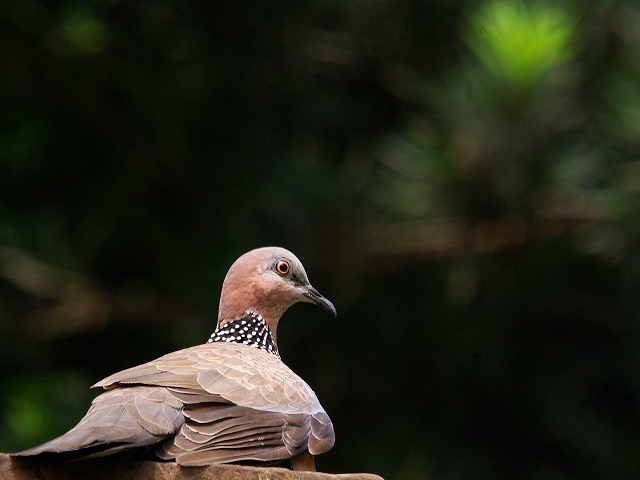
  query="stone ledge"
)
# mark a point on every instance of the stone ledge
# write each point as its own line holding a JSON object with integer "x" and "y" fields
{"x": 34, "y": 468}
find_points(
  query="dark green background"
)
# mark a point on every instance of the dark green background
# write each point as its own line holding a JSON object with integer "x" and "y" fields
{"x": 473, "y": 213}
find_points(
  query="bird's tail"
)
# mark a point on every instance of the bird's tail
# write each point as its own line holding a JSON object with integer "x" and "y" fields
{"x": 118, "y": 419}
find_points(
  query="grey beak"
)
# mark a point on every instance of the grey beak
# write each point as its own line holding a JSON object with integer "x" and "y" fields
{"x": 315, "y": 297}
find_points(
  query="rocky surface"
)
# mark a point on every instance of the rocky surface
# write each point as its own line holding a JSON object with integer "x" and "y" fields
{"x": 34, "y": 468}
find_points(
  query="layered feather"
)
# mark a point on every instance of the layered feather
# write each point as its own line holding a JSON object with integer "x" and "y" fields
{"x": 214, "y": 403}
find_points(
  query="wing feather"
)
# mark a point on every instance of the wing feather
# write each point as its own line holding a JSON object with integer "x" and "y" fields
{"x": 240, "y": 374}
{"x": 239, "y": 403}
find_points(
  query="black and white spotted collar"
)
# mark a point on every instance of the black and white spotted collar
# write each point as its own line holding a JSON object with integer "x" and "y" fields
{"x": 250, "y": 329}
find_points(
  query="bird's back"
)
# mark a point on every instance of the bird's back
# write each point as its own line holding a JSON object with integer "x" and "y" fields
{"x": 214, "y": 403}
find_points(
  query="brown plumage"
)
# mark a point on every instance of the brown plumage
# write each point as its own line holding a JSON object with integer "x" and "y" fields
{"x": 230, "y": 400}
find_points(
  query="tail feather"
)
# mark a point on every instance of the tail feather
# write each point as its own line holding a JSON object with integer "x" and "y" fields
{"x": 117, "y": 420}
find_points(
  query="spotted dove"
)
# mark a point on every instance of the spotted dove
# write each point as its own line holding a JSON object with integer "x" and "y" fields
{"x": 229, "y": 400}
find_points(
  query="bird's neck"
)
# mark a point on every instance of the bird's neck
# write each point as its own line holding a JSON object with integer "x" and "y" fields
{"x": 237, "y": 298}
{"x": 248, "y": 329}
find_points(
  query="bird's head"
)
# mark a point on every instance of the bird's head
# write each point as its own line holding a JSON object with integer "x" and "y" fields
{"x": 268, "y": 281}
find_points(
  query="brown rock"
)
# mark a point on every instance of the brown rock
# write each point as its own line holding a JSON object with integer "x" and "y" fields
{"x": 35, "y": 468}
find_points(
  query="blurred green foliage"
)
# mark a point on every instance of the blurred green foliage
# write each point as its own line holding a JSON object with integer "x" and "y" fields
{"x": 462, "y": 179}
{"x": 520, "y": 43}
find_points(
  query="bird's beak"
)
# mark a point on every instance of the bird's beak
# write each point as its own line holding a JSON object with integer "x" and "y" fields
{"x": 314, "y": 296}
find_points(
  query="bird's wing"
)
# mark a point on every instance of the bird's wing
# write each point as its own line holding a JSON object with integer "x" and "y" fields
{"x": 242, "y": 403}
{"x": 236, "y": 373}
{"x": 229, "y": 433}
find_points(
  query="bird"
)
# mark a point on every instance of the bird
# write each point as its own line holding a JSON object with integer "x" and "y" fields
{"x": 230, "y": 400}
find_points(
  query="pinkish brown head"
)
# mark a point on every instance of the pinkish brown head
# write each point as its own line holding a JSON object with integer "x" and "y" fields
{"x": 268, "y": 281}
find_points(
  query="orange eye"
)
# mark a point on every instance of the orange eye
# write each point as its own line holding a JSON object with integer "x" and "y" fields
{"x": 283, "y": 267}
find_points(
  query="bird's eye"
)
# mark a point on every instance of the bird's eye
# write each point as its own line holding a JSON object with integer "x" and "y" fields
{"x": 283, "y": 267}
